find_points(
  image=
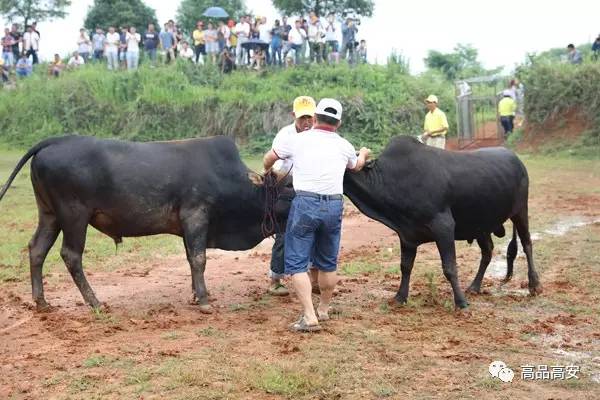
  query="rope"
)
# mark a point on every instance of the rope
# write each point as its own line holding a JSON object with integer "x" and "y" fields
{"x": 269, "y": 224}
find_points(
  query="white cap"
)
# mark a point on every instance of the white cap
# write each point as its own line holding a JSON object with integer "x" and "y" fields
{"x": 330, "y": 107}
{"x": 506, "y": 93}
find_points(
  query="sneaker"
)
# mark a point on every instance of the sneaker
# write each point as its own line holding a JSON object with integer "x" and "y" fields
{"x": 278, "y": 289}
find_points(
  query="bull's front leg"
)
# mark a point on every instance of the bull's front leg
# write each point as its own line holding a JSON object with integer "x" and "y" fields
{"x": 443, "y": 230}
{"x": 407, "y": 260}
{"x": 195, "y": 232}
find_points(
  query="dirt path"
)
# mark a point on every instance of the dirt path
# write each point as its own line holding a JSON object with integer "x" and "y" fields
{"x": 153, "y": 344}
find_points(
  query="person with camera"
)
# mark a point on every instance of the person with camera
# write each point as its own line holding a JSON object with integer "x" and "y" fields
{"x": 349, "y": 31}
{"x": 331, "y": 51}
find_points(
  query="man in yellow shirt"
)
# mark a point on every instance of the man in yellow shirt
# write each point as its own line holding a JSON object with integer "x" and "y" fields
{"x": 199, "y": 44}
{"x": 507, "y": 108}
{"x": 436, "y": 124}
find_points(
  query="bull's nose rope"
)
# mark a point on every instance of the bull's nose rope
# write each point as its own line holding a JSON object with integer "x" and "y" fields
{"x": 269, "y": 224}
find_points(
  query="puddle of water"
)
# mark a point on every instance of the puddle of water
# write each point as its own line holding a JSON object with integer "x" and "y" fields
{"x": 497, "y": 267}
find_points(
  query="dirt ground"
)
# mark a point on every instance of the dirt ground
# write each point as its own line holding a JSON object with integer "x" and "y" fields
{"x": 153, "y": 344}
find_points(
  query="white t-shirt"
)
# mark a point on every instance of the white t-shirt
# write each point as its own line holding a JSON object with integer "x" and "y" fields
{"x": 31, "y": 40}
{"x": 297, "y": 36}
{"x": 264, "y": 33}
{"x": 284, "y": 166}
{"x": 320, "y": 159}
{"x": 84, "y": 44}
{"x": 187, "y": 54}
{"x": 133, "y": 42}
{"x": 242, "y": 30}
{"x": 112, "y": 41}
{"x": 76, "y": 62}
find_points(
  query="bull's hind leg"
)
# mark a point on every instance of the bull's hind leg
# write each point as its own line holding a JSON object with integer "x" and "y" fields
{"x": 407, "y": 260}
{"x": 41, "y": 242}
{"x": 74, "y": 234}
{"x": 486, "y": 244}
{"x": 195, "y": 232}
{"x": 443, "y": 231}
{"x": 521, "y": 222}
{"x": 511, "y": 254}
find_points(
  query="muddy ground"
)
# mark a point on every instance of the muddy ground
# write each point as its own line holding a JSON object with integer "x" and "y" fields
{"x": 153, "y": 344}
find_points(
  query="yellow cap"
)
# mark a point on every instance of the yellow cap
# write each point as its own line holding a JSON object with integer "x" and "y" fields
{"x": 304, "y": 105}
{"x": 432, "y": 99}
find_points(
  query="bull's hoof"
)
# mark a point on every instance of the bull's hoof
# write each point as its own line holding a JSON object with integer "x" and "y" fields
{"x": 507, "y": 279}
{"x": 535, "y": 290}
{"x": 206, "y": 308}
{"x": 473, "y": 290}
{"x": 397, "y": 302}
{"x": 461, "y": 305}
{"x": 43, "y": 307}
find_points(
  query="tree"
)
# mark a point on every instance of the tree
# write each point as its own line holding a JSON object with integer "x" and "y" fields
{"x": 324, "y": 7}
{"x": 190, "y": 11}
{"x": 105, "y": 13}
{"x": 33, "y": 10}
{"x": 462, "y": 62}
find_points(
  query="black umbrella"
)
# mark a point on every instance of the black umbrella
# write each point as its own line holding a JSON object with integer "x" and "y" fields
{"x": 253, "y": 44}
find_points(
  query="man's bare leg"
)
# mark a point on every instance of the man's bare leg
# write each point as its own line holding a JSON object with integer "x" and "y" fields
{"x": 327, "y": 282}
{"x": 303, "y": 289}
{"x": 314, "y": 279}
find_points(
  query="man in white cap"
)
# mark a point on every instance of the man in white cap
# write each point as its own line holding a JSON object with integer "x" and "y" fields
{"x": 436, "y": 124}
{"x": 304, "y": 113}
{"x": 320, "y": 157}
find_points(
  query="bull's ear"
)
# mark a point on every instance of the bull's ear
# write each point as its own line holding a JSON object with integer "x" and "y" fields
{"x": 255, "y": 178}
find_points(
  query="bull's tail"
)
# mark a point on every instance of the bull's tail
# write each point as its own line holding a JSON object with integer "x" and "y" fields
{"x": 32, "y": 152}
{"x": 511, "y": 254}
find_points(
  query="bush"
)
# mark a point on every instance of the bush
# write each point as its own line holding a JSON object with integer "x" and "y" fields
{"x": 182, "y": 101}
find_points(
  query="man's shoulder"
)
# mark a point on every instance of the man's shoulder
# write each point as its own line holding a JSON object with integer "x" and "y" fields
{"x": 286, "y": 131}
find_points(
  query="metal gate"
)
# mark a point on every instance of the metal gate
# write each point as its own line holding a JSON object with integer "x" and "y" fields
{"x": 478, "y": 123}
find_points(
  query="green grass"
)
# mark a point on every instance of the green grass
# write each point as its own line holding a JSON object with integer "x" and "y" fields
{"x": 359, "y": 268}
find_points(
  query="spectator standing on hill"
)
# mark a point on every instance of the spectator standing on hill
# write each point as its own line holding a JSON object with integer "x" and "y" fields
{"x": 167, "y": 41}
{"x": 7, "y": 49}
{"x": 349, "y": 31}
{"x": 212, "y": 45}
{"x": 123, "y": 46}
{"x": 75, "y": 61}
{"x": 316, "y": 38}
{"x": 178, "y": 40}
{"x": 17, "y": 39}
{"x": 596, "y": 49}
{"x": 331, "y": 39}
{"x": 199, "y": 43}
{"x": 223, "y": 36}
{"x": 31, "y": 44}
{"x": 55, "y": 68}
{"x": 111, "y": 48}
{"x": 151, "y": 42}
{"x": 24, "y": 66}
{"x": 296, "y": 38}
{"x": 242, "y": 31}
{"x": 133, "y": 40}
{"x": 98, "y": 43}
{"x": 264, "y": 34}
{"x": 4, "y": 71}
{"x": 436, "y": 125}
{"x": 84, "y": 44}
{"x": 276, "y": 43}
{"x": 507, "y": 108}
{"x": 574, "y": 55}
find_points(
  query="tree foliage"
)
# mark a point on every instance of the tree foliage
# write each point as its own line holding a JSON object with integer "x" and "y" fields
{"x": 458, "y": 64}
{"x": 190, "y": 11}
{"x": 105, "y": 13}
{"x": 33, "y": 10}
{"x": 323, "y": 7}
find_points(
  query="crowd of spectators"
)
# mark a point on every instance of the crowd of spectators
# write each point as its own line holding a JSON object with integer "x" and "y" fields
{"x": 251, "y": 42}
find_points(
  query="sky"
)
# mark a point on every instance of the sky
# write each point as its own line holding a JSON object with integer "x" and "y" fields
{"x": 502, "y": 31}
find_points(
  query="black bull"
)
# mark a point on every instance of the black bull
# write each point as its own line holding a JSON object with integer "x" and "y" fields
{"x": 198, "y": 189}
{"x": 430, "y": 195}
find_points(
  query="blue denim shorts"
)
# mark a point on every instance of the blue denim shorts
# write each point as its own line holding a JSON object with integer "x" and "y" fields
{"x": 313, "y": 233}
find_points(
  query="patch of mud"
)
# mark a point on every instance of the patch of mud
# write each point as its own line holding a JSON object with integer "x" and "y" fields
{"x": 497, "y": 267}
